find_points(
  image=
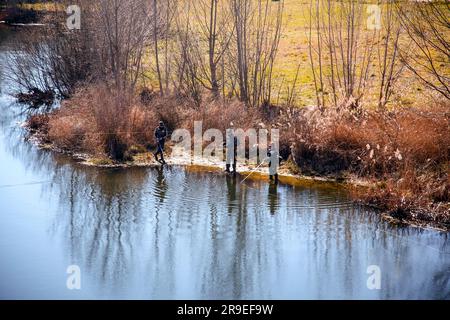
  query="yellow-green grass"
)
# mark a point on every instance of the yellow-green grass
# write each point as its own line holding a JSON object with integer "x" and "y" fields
{"x": 293, "y": 55}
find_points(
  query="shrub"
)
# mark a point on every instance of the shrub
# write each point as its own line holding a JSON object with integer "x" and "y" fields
{"x": 100, "y": 121}
{"x": 67, "y": 132}
{"x": 38, "y": 122}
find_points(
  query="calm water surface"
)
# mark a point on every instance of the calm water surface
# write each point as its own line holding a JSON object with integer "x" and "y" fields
{"x": 146, "y": 233}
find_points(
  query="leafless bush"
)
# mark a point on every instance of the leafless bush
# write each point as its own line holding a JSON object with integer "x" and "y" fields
{"x": 54, "y": 59}
{"x": 99, "y": 121}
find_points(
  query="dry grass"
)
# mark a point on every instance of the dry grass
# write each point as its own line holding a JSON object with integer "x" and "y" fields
{"x": 372, "y": 143}
{"x": 99, "y": 122}
{"x": 404, "y": 153}
{"x": 222, "y": 116}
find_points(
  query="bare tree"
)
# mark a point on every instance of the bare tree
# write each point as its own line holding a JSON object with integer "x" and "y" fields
{"x": 187, "y": 65}
{"x": 338, "y": 29}
{"x": 213, "y": 18}
{"x": 427, "y": 25}
{"x": 390, "y": 65}
{"x": 315, "y": 19}
{"x": 125, "y": 35}
{"x": 171, "y": 9}
{"x": 155, "y": 43}
{"x": 258, "y": 29}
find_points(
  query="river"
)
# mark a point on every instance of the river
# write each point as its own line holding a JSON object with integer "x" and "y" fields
{"x": 172, "y": 233}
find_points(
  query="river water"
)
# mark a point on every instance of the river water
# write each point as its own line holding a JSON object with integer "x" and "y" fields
{"x": 148, "y": 233}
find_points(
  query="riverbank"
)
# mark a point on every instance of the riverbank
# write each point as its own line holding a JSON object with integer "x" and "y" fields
{"x": 356, "y": 186}
{"x": 147, "y": 159}
{"x": 396, "y": 162}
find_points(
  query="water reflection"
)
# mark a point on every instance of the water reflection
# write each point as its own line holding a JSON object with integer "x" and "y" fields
{"x": 273, "y": 197}
{"x": 160, "y": 184}
{"x": 166, "y": 233}
{"x": 231, "y": 191}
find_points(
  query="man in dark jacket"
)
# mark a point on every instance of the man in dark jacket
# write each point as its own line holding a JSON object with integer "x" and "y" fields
{"x": 160, "y": 136}
{"x": 274, "y": 163}
{"x": 231, "y": 146}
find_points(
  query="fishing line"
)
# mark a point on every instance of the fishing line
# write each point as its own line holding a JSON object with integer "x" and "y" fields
{"x": 254, "y": 170}
{"x": 24, "y": 184}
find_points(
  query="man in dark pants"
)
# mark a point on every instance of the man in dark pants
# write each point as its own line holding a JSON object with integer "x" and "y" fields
{"x": 231, "y": 147}
{"x": 274, "y": 163}
{"x": 160, "y": 136}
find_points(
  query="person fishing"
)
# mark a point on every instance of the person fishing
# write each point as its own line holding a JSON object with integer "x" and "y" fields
{"x": 160, "y": 136}
{"x": 231, "y": 145}
{"x": 274, "y": 163}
